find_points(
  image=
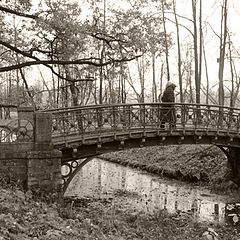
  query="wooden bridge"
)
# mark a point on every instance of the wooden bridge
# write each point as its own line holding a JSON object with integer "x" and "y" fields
{"x": 86, "y": 131}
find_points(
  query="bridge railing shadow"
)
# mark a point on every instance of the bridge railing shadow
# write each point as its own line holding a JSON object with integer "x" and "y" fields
{"x": 101, "y": 119}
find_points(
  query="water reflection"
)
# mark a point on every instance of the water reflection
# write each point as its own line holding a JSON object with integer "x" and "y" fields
{"x": 99, "y": 179}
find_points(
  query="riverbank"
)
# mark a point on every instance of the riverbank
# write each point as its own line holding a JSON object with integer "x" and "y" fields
{"x": 201, "y": 164}
{"x": 24, "y": 216}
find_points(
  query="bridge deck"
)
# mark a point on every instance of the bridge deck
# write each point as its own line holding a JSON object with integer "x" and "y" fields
{"x": 108, "y": 136}
{"x": 102, "y": 128}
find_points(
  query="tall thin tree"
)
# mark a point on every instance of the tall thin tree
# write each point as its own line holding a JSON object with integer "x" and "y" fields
{"x": 223, "y": 37}
{"x": 166, "y": 40}
{"x": 179, "y": 53}
{"x": 195, "y": 48}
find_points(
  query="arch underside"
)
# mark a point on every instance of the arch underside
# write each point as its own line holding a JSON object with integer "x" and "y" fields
{"x": 72, "y": 167}
{"x": 86, "y": 131}
{"x": 76, "y": 154}
{"x": 97, "y": 144}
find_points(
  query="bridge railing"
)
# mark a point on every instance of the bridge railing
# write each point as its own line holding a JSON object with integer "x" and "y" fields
{"x": 149, "y": 116}
{"x": 16, "y": 123}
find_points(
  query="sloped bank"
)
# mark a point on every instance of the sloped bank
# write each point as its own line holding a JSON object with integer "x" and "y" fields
{"x": 194, "y": 163}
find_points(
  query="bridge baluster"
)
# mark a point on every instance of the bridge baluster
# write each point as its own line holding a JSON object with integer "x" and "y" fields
{"x": 158, "y": 115}
{"x": 64, "y": 122}
{"x": 99, "y": 118}
{"x": 142, "y": 116}
{"x": 79, "y": 119}
{"x": 184, "y": 114}
{"x": 114, "y": 124}
{"x": 206, "y": 119}
{"x": 127, "y": 112}
{"x": 238, "y": 122}
{"x": 197, "y": 115}
{"x": 220, "y": 118}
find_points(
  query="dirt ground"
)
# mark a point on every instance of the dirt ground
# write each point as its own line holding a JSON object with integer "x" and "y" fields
{"x": 22, "y": 217}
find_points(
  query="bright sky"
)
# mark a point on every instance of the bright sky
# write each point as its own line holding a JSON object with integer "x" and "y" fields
{"x": 212, "y": 23}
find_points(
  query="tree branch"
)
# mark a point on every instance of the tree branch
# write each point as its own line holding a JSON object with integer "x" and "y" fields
{"x": 29, "y": 55}
{"x": 103, "y": 37}
{"x": 7, "y": 10}
{"x": 15, "y": 49}
{"x": 86, "y": 61}
{"x": 47, "y": 63}
{"x": 180, "y": 16}
{"x": 213, "y": 30}
{"x": 170, "y": 20}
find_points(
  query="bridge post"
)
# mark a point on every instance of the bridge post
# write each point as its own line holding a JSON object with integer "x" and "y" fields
{"x": 44, "y": 163}
{"x": 26, "y": 113}
{"x": 43, "y": 131}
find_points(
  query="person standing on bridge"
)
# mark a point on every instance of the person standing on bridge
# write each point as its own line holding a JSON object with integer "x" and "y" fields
{"x": 168, "y": 113}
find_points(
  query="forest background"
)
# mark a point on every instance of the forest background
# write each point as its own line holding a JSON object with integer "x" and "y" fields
{"x": 63, "y": 53}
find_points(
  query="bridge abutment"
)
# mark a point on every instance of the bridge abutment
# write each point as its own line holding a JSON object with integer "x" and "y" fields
{"x": 34, "y": 164}
{"x": 44, "y": 170}
{"x": 44, "y": 162}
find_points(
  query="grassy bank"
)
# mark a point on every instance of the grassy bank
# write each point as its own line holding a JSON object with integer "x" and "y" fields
{"x": 195, "y": 163}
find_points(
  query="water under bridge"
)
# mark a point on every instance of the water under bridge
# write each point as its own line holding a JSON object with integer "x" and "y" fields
{"x": 86, "y": 131}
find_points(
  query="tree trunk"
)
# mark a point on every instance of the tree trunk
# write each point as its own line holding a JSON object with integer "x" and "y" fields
{"x": 179, "y": 54}
{"x": 161, "y": 83}
{"x": 166, "y": 42}
{"x": 200, "y": 48}
{"x": 154, "y": 85}
{"x": 223, "y": 37}
{"x": 72, "y": 87}
{"x": 232, "y": 72}
{"x": 207, "y": 77}
{"x": 195, "y": 45}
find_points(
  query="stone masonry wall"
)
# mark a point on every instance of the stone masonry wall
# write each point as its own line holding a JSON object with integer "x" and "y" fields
{"x": 13, "y": 162}
{"x": 34, "y": 164}
{"x": 13, "y": 168}
{"x": 31, "y": 169}
{"x": 44, "y": 170}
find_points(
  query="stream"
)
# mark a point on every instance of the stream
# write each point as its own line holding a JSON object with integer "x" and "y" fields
{"x": 150, "y": 193}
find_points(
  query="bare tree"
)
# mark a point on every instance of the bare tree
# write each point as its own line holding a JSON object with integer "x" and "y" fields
{"x": 195, "y": 49}
{"x": 200, "y": 49}
{"x": 154, "y": 85}
{"x": 166, "y": 40}
{"x": 207, "y": 77}
{"x": 179, "y": 54}
{"x": 222, "y": 48}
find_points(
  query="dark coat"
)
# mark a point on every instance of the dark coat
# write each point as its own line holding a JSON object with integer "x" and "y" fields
{"x": 168, "y": 95}
{"x": 168, "y": 111}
